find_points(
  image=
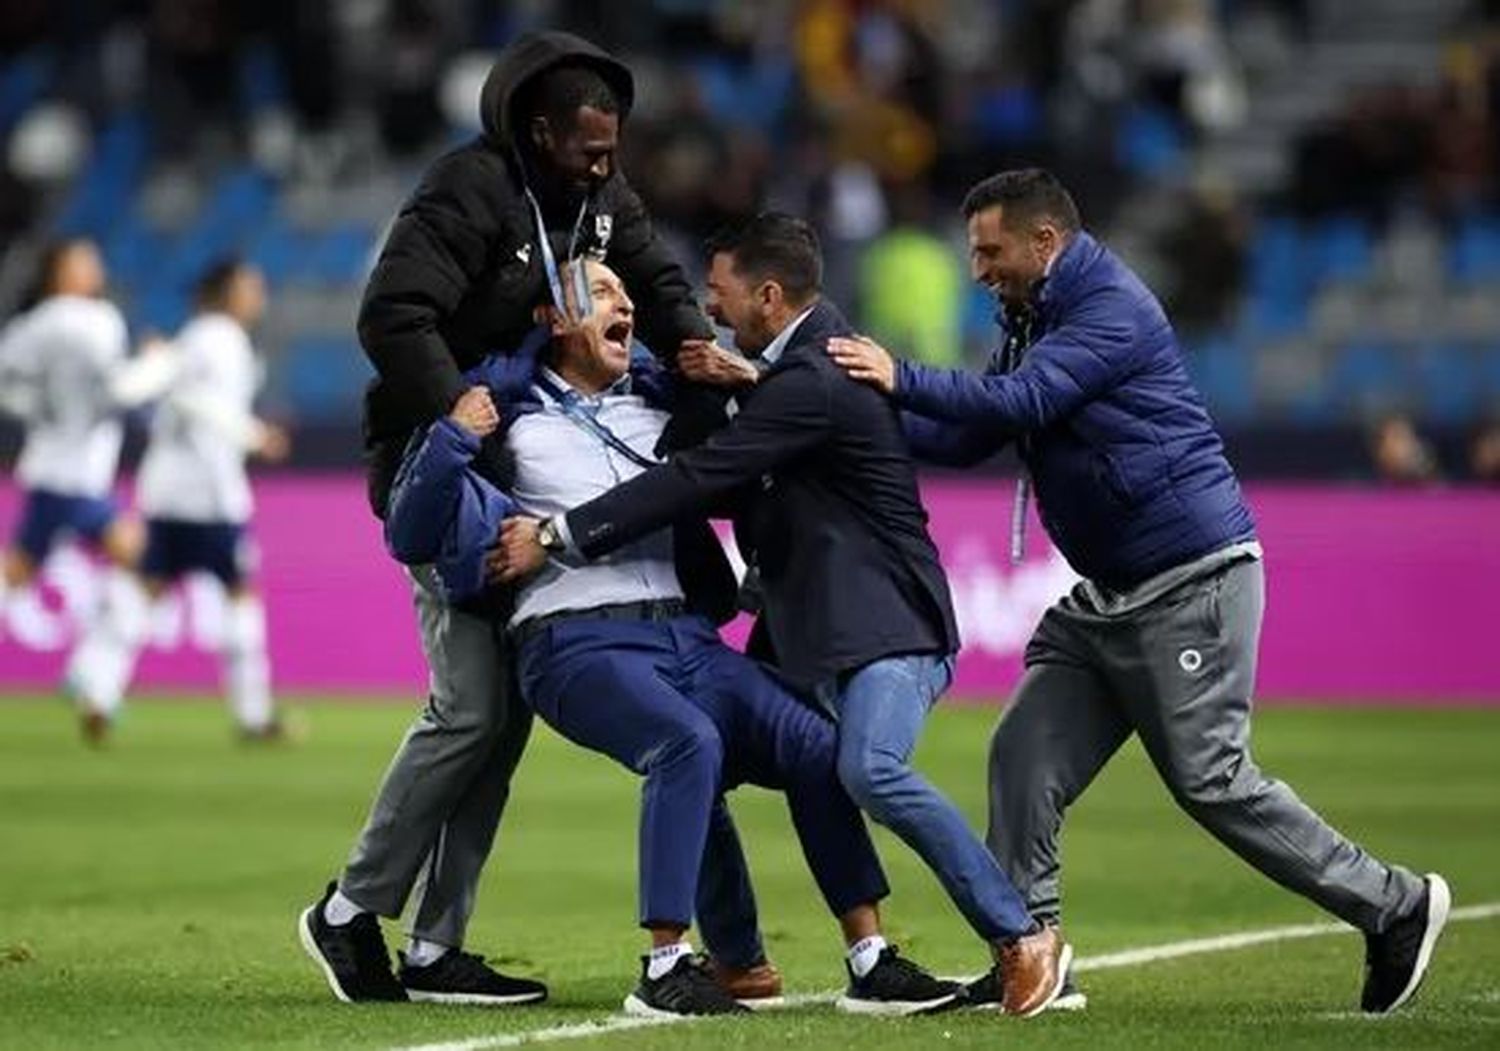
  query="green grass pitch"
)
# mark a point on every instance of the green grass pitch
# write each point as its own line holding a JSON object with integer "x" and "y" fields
{"x": 148, "y": 892}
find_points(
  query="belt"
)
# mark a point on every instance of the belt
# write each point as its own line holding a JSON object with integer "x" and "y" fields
{"x": 656, "y": 609}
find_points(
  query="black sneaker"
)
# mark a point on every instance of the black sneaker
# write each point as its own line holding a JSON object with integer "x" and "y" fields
{"x": 1396, "y": 959}
{"x": 458, "y": 977}
{"x": 687, "y": 989}
{"x": 896, "y": 986}
{"x": 352, "y": 956}
{"x": 983, "y": 994}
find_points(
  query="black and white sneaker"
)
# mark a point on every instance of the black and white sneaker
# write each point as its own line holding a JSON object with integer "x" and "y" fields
{"x": 984, "y": 994}
{"x": 896, "y": 986}
{"x": 1396, "y": 959}
{"x": 458, "y": 977}
{"x": 687, "y": 989}
{"x": 352, "y": 956}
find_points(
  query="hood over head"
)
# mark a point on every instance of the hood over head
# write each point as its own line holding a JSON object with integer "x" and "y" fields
{"x": 531, "y": 54}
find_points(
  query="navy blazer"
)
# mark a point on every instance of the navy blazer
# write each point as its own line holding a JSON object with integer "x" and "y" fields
{"x": 829, "y": 512}
{"x": 1130, "y": 475}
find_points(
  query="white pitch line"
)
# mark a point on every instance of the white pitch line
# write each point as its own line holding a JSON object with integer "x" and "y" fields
{"x": 1227, "y": 942}
{"x": 1107, "y": 961}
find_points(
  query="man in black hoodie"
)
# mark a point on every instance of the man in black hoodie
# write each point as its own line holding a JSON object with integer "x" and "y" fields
{"x": 469, "y": 257}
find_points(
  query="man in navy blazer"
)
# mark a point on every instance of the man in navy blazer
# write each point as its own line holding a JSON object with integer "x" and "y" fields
{"x": 1160, "y": 638}
{"x": 856, "y": 608}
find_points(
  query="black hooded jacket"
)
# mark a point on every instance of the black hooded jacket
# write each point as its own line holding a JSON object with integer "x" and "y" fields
{"x": 460, "y": 271}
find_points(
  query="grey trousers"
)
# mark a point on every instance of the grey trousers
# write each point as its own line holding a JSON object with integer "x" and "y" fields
{"x": 1179, "y": 671}
{"x": 434, "y": 819}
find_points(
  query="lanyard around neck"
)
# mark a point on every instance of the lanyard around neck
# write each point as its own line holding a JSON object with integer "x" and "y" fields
{"x": 581, "y": 294}
{"x": 569, "y": 403}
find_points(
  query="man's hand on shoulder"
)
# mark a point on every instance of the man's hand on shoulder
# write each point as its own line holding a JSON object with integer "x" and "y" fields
{"x": 864, "y": 360}
{"x": 518, "y": 551}
{"x": 475, "y": 412}
{"x": 703, "y": 361}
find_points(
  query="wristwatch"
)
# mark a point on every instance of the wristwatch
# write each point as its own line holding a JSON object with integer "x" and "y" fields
{"x": 550, "y": 537}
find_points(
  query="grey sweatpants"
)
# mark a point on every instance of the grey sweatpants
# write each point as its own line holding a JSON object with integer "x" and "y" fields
{"x": 435, "y": 816}
{"x": 1179, "y": 671}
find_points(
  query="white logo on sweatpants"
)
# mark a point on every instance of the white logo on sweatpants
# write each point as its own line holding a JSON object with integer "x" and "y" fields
{"x": 1190, "y": 660}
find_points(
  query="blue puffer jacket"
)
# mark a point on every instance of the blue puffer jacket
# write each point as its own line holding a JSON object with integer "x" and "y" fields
{"x": 1130, "y": 474}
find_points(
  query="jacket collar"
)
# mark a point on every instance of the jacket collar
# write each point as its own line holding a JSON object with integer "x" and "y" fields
{"x": 772, "y": 354}
{"x": 821, "y": 323}
{"x": 1068, "y": 274}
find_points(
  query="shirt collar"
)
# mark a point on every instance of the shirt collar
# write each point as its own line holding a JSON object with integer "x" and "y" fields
{"x": 777, "y": 347}
{"x": 619, "y": 388}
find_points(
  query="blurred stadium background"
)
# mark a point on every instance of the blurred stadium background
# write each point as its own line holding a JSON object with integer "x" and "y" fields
{"x": 1313, "y": 186}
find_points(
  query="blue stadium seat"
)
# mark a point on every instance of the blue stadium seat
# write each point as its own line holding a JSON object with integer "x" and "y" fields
{"x": 23, "y": 79}
{"x": 1279, "y": 310}
{"x": 325, "y": 378}
{"x": 1277, "y": 286}
{"x": 161, "y": 309}
{"x": 107, "y": 186}
{"x": 1150, "y": 142}
{"x": 133, "y": 251}
{"x": 746, "y": 95}
{"x": 1474, "y": 251}
{"x": 1489, "y": 378}
{"x": 262, "y": 82}
{"x": 1340, "y": 249}
{"x": 1448, "y": 380}
{"x": 1369, "y": 371}
{"x": 340, "y": 256}
{"x": 1224, "y": 371}
{"x": 279, "y": 250}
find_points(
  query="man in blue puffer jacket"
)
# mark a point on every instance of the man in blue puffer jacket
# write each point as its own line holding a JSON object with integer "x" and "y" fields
{"x": 1160, "y": 638}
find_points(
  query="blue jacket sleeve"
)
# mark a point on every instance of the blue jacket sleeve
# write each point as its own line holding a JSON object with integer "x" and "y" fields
{"x": 950, "y": 444}
{"x": 509, "y": 376}
{"x": 443, "y": 512}
{"x": 1094, "y": 348}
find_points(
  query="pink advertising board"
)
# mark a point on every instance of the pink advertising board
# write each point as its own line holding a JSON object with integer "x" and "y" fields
{"x": 1374, "y": 594}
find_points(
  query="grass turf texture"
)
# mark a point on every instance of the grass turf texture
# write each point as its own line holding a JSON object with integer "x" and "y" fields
{"x": 148, "y": 892}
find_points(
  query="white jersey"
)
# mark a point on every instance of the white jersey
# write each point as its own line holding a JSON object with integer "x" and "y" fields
{"x": 194, "y": 467}
{"x": 59, "y": 359}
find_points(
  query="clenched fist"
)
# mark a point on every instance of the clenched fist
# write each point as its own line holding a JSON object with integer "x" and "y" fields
{"x": 475, "y": 412}
{"x": 517, "y": 552}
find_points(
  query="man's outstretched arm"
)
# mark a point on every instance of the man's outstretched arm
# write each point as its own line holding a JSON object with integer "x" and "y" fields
{"x": 788, "y": 416}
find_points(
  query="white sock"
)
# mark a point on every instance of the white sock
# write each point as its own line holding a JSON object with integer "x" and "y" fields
{"x": 423, "y": 953}
{"x": 247, "y": 670}
{"x": 665, "y": 957}
{"x": 340, "y": 910}
{"x": 100, "y": 666}
{"x": 865, "y": 954}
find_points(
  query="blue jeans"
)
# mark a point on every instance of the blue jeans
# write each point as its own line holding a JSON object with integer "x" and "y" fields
{"x": 880, "y": 710}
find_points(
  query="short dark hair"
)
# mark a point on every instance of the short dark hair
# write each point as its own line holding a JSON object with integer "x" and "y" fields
{"x": 212, "y": 286}
{"x": 560, "y": 92}
{"x": 776, "y": 247}
{"x": 1027, "y": 196}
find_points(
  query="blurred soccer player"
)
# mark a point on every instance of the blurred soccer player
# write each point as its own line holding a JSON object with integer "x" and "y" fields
{"x": 196, "y": 497}
{"x": 63, "y": 373}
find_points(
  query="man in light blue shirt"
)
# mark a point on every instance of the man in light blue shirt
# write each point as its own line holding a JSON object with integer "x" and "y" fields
{"x": 612, "y": 656}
